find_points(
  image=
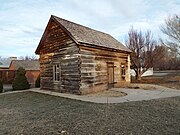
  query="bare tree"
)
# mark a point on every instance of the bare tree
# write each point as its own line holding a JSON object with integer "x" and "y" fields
{"x": 165, "y": 59}
{"x": 143, "y": 54}
{"x": 171, "y": 28}
{"x": 33, "y": 57}
{"x": 4, "y": 61}
{"x": 161, "y": 53}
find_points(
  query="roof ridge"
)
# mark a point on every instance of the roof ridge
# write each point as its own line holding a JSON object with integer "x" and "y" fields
{"x": 80, "y": 25}
{"x": 83, "y": 34}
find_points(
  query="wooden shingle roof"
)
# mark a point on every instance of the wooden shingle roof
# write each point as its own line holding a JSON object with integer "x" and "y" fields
{"x": 90, "y": 36}
{"x": 26, "y": 64}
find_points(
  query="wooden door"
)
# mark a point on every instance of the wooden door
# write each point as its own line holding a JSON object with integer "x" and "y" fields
{"x": 110, "y": 70}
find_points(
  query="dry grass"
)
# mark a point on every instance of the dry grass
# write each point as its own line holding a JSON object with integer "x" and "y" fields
{"x": 172, "y": 80}
{"x": 29, "y": 113}
{"x": 139, "y": 86}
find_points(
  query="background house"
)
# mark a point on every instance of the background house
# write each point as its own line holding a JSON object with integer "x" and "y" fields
{"x": 31, "y": 67}
{"x": 5, "y": 62}
{"x": 5, "y": 75}
{"x": 78, "y": 59}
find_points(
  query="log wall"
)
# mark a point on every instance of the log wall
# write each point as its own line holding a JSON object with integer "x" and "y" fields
{"x": 94, "y": 75}
{"x": 59, "y": 48}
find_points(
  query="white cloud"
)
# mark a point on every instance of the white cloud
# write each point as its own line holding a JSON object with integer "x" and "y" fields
{"x": 23, "y": 22}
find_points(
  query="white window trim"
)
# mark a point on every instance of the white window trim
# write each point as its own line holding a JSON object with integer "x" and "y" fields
{"x": 123, "y": 71}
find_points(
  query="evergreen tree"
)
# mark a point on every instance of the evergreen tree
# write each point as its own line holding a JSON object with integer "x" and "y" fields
{"x": 1, "y": 86}
{"x": 20, "y": 81}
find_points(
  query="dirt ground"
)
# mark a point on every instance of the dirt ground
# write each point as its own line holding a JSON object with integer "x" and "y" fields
{"x": 170, "y": 79}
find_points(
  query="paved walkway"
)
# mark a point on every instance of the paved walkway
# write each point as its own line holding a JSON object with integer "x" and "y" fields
{"x": 132, "y": 95}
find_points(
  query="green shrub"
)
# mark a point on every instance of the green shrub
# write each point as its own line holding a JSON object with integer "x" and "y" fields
{"x": 37, "y": 83}
{"x": 1, "y": 86}
{"x": 20, "y": 81}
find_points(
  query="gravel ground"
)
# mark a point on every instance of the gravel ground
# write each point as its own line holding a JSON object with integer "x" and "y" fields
{"x": 30, "y": 113}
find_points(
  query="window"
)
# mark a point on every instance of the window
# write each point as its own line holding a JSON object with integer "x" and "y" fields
{"x": 123, "y": 71}
{"x": 56, "y": 73}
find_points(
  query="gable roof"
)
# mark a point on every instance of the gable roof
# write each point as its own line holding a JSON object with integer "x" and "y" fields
{"x": 26, "y": 64}
{"x": 84, "y": 35}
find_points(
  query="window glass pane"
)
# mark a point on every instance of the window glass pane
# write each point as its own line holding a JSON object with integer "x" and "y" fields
{"x": 56, "y": 74}
{"x": 123, "y": 71}
{"x": 55, "y": 68}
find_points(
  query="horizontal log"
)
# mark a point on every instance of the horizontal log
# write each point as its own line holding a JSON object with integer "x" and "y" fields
{"x": 70, "y": 87}
{"x": 47, "y": 75}
{"x": 74, "y": 75}
{"x": 87, "y": 77}
{"x": 87, "y": 61}
{"x": 68, "y": 50}
{"x": 76, "y": 69}
{"x": 70, "y": 82}
{"x": 85, "y": 85}
{"x": 99, "y": 83}
{"x": 56, "y": 34}
{"x": 68, "y": 46}
{"x": 73, "y": 91}
{"x": 70, "y": 78}
{"x": 87, "y": 65}
{"x": 94, "y": 80}
{"x": 85, "y": 57}
{"x": 106, "y": 58}
{"x": 73, "y": 71}
{"x": 83, "y": 52}
{"x": 70, "y": 59}
{"x": 57, "y": 38}
{"x": 55, "y": 44}
{"x": 69, "y": 67}
{"x": 72, "y": 63}
{"x": 88, "y": 74}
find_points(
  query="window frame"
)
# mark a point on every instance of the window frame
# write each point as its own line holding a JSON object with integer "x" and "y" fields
{"x": 56, "y": 73}
{"x": 123, "y": 71}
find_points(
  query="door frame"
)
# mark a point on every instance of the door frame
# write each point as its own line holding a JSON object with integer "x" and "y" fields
{"x": 110, "y": 65}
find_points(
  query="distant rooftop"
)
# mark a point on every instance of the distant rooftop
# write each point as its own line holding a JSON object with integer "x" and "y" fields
{"x": 26, "y": 64}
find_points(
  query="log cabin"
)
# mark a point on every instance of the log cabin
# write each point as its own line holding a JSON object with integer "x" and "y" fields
{"x": 80, "y": 60}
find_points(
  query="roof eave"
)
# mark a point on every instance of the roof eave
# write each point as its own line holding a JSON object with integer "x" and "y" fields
{"x": 102, "y": 47}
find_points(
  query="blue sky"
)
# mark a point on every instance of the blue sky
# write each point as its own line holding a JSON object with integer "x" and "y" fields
{"x": 22, "y": 22}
